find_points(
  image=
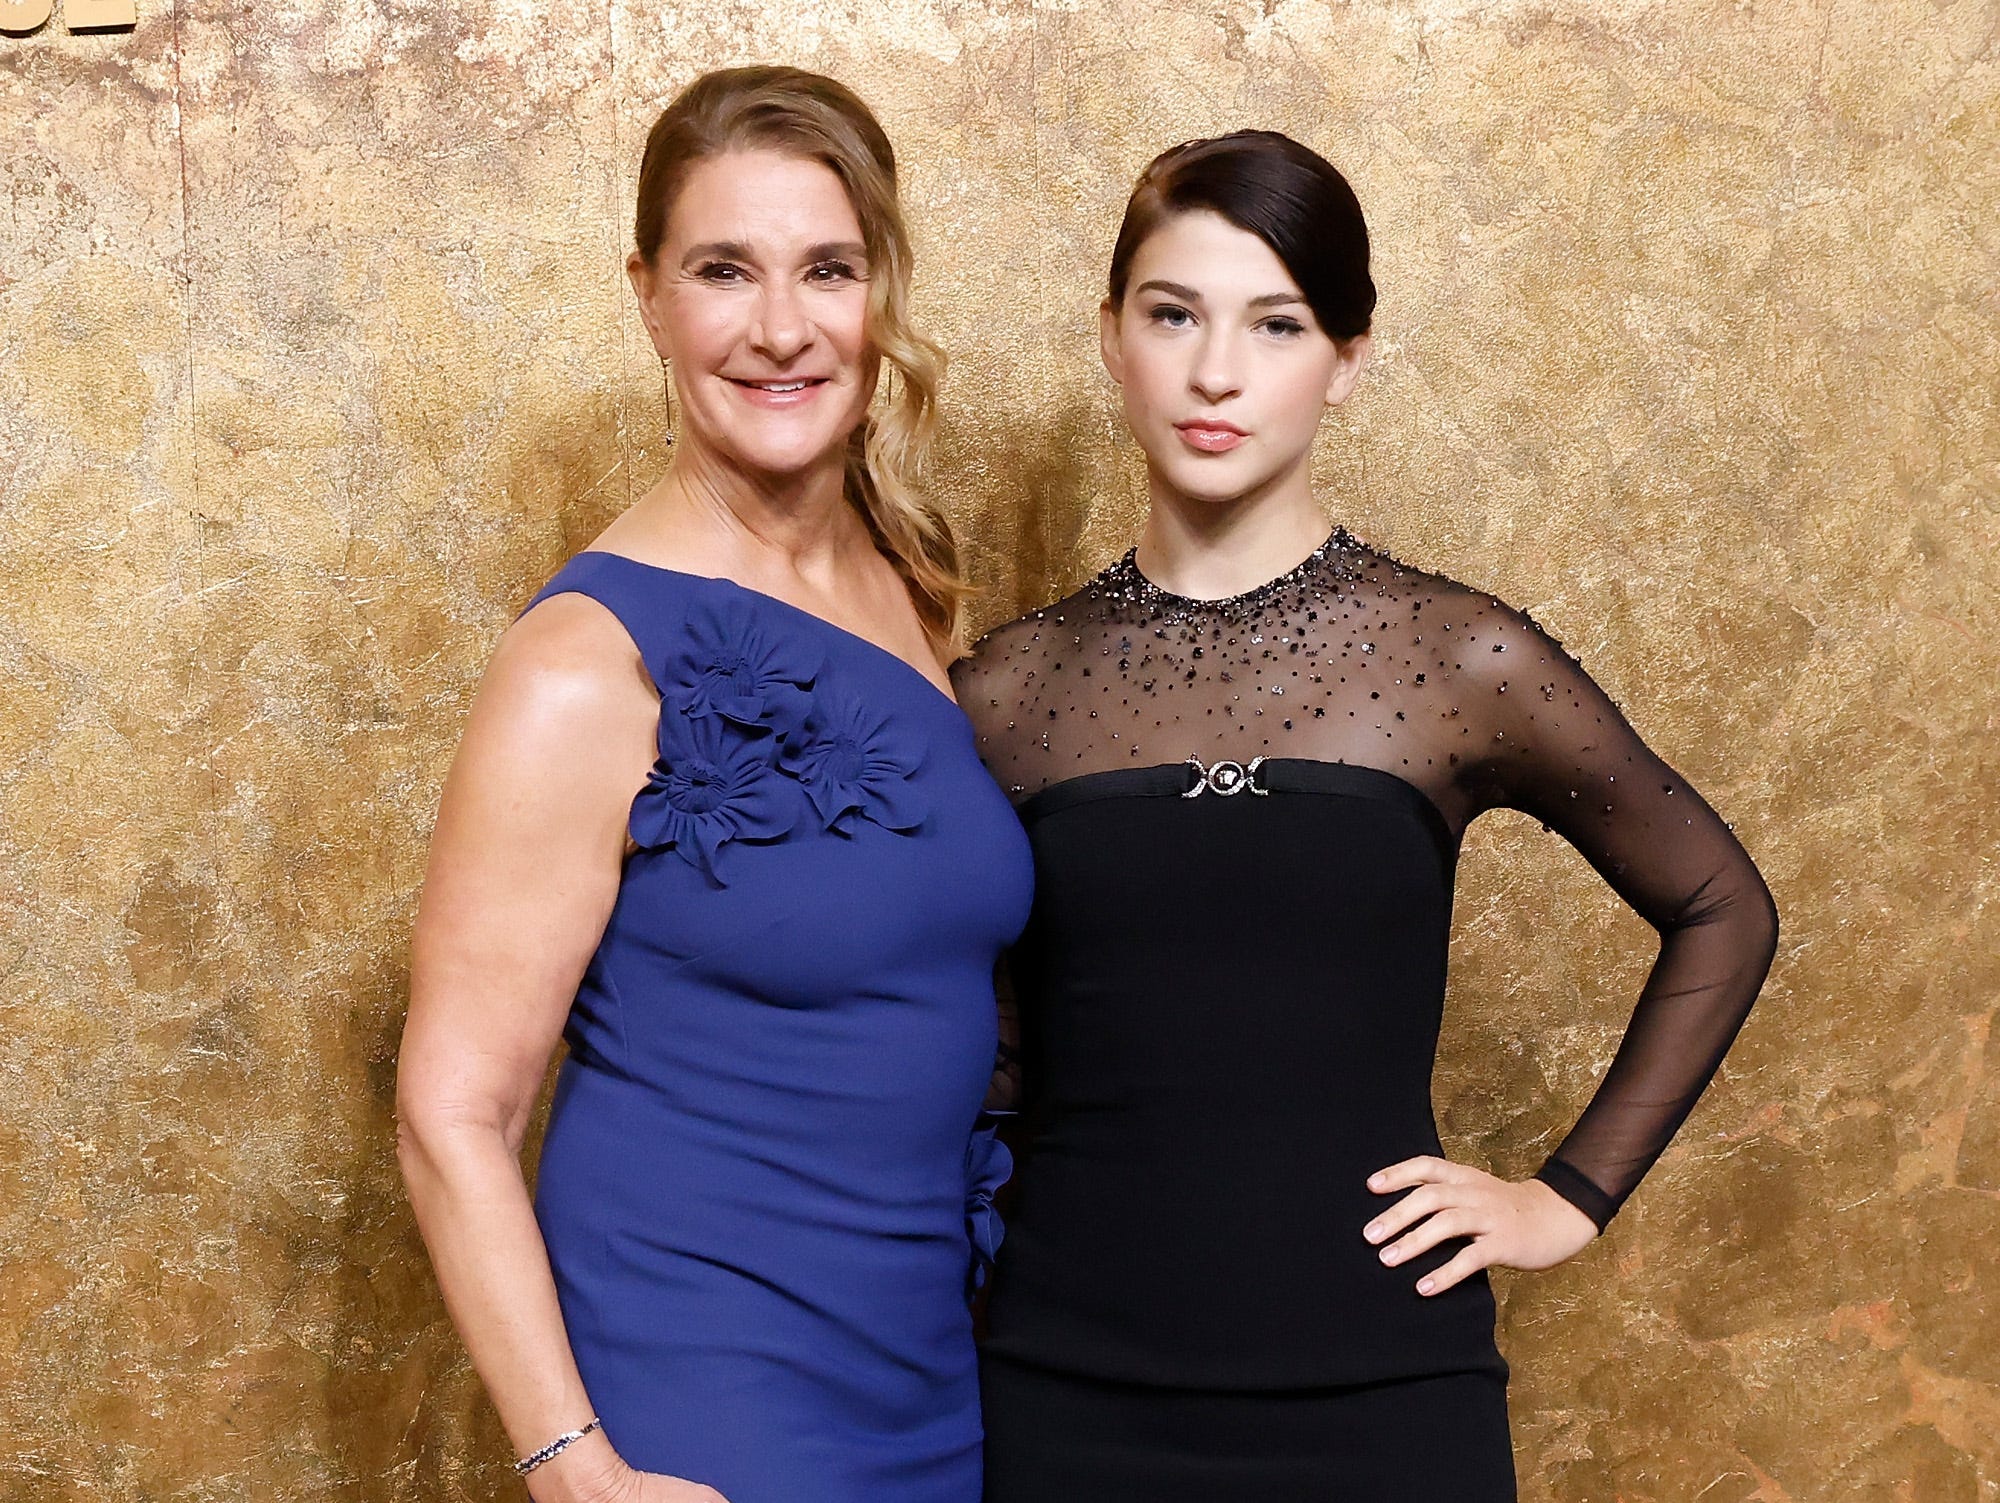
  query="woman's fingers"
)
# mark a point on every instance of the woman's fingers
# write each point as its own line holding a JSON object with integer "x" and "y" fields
{"x": 1441, "y": 1227}
{"x": 1520, "y": 1225}
{"x": 1443, "y": 1205}
{"x": 1417, "y": 1171}
{"x": 1405, "y": 1213}
{"x": 1468, "y": 1261}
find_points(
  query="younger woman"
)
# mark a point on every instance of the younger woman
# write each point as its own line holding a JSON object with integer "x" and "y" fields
{"x": 1246, "y": 755}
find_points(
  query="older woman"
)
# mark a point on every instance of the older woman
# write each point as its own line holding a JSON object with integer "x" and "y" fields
{"x": 717, "y": 821}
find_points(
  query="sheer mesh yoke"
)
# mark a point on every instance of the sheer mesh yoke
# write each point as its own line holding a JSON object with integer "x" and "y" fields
{"x": 1354, "y": 658}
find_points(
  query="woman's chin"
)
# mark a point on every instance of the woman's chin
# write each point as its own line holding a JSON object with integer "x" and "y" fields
{"x": 782, "y": 456}
{"x": 1214, "y": 480}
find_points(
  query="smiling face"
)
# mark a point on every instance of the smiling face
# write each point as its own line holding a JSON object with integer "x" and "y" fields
{"x": 759, "y": 297}
{"x": 1224, "y": 369}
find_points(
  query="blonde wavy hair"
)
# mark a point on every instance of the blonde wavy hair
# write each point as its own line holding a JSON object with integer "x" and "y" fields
{"x": 811, "y": 116}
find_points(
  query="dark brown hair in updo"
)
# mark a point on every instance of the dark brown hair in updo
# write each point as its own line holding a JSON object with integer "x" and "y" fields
{"x": 811, "y": 116}
{"x": 1287, "y": 195}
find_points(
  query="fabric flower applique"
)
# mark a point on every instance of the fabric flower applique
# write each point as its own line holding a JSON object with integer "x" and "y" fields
{"x": 988, "y": 1165}
{"x": 732, "y": 662}
{"x": 715, "y": 782}
{"x": 853, "y": 765}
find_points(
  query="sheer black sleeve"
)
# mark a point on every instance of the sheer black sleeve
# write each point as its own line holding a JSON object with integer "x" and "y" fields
{"x": 1561, "y": 752}
{"x": 1004, "y": 1096}
{"x": 986, "y": 684}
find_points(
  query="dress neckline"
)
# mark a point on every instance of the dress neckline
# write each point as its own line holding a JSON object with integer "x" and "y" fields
{"x": 785, "y": 605}
{"x": 1145, "y": 592}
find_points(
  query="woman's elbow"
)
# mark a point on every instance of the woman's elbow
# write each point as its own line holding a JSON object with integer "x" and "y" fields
{"x": 1750, "y": 922}
{"x": 1765, "y": 917}
{"x": 418, "y": 1132}
{"x": 436, "y": 1129}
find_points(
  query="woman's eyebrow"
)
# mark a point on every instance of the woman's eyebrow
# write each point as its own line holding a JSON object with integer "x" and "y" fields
{"x": 1189, "y": 295}
{"x": 721, "y": 250}
{"x": 736, "y": 250}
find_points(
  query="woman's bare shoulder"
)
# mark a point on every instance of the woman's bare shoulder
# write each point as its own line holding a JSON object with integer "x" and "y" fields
{"x": 565, "y": 688}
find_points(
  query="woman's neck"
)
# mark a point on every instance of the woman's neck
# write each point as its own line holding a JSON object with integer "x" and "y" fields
{"x": 1211, "y": 550}
{"x": 725, "y": 520}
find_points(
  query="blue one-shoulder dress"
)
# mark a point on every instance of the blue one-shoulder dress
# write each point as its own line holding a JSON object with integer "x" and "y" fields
{"x": 765, "y": 1189}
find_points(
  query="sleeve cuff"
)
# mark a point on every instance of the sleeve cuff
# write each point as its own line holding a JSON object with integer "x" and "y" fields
{"x": 1576, "y": 1188}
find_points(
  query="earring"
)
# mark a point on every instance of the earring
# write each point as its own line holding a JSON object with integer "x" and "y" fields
{"x": 667, "y": 385}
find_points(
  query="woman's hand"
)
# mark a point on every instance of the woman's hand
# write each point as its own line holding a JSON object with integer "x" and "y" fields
{"x": 651, "y": 1487}
{"x": 600, "y": 1475}
{"x": 1524, "y": 1225}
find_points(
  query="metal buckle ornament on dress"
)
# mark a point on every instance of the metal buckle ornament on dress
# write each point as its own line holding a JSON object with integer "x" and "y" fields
{"x": 1226, "y": 778}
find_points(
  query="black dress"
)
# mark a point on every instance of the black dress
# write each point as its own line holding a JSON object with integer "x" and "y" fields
{"x": 1246, "y": 816}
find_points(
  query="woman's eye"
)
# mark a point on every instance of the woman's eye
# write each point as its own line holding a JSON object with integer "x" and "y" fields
{"x": 721, "y": 272}
{"x": 1167, "y": 315}
{"x": 832, "y": 271}
{"x": 1285, "y": 328}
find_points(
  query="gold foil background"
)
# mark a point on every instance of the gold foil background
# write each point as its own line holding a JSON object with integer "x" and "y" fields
{"x": 316, "y": 358}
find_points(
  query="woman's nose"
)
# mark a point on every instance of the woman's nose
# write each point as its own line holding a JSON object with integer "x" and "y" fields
{"x": 781, "y": 329}
{"x": 1215, "y": 374}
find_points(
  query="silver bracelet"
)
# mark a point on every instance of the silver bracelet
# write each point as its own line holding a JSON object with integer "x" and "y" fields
{"x": 555, "y": 1447}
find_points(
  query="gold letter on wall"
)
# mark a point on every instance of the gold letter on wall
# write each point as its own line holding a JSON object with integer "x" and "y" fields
{"x": 95, "y": 15}
{"x": 24, "y": 15}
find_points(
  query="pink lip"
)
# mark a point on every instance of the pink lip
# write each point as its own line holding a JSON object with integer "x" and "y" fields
{"x": 763, "y": 396}
{"x": 1208, "y": 437}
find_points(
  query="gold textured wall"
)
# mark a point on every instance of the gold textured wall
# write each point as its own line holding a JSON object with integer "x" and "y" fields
{"x": 316, "y": 357}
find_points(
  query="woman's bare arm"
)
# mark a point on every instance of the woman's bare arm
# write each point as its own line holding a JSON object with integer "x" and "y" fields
{"x": 524, "y": 869}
